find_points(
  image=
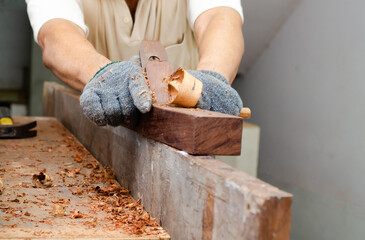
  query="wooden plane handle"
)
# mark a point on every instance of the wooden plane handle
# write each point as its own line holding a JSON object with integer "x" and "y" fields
{"x": 245, "y": 113}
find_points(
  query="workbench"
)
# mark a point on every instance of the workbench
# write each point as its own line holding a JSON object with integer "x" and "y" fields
{"x": 83, "y": 199}
{"x": 195, "y": 197}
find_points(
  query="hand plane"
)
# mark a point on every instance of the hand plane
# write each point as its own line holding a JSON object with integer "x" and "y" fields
{"x": 168, "y": 86}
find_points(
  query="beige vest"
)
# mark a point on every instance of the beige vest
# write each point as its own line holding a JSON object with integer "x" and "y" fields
{"x": 114, "y": 34}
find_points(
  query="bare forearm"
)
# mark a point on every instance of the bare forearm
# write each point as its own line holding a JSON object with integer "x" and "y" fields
{"x": 220, "y": 41}
{"x": 68, "y": 54}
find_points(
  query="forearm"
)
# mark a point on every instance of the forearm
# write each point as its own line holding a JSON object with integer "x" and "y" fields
{"x": 220, "y": 41}
{"x": 68, "y": 54}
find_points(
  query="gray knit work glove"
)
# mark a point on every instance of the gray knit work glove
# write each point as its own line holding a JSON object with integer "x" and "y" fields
{"x": 218, "y": 95}
{"x": 116, "y": 93}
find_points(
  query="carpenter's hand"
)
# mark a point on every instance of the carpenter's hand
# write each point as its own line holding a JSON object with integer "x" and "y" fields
{"x": 116, "y": 93}
{"x": 217, "y": 94}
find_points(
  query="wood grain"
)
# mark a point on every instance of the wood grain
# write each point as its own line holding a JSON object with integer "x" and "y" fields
{"x": 156, "y": 72}
{"x": 194, "y": 196}
{"x": 195, "y": 131}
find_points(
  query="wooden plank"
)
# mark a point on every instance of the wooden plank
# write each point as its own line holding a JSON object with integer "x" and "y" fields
{"x": 195, "y": 131}
{"x": 25, "y": 211}
{"x": 196, "y": 197}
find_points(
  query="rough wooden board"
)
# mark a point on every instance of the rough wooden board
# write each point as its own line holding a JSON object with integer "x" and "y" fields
{"x": 196, "y": 197}
{"x": 52, "y": 150}
{"x": 195, "y": 131}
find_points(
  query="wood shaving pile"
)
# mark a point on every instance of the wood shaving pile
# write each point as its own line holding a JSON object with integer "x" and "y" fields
{"x": 94, "y": 198}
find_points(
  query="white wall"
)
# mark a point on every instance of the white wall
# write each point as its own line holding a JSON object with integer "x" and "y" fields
{"x": 307, "y": 93}
{"x": 263, "y": 18}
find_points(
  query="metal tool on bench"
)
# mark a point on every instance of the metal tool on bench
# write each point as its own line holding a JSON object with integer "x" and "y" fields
{"x": 10, "y": 130}
{"x": 155, "y": 62}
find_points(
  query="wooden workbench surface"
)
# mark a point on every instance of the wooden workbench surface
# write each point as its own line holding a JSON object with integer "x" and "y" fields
{"x": 106, "y": 210}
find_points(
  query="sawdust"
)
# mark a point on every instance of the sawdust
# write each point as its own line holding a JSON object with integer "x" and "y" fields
{"x": 153, "y": 94}
{"x": 96, "y": 188}
{"x": 141, "y": 92}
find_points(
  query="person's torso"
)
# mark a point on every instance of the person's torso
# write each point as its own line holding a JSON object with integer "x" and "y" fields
{"x": 114, "y": 34}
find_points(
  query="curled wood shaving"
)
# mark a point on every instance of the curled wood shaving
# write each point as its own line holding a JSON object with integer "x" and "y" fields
{"x": 92, "y": 223}
{"x": 62, "y": 201}
{"x": 1, "y": 186}
{"x": 21, "y": 194}
{"x": 70, "y": 173}
{"x": 76, "y": 214}
{"x": 42, "y": 180}
{"x": 77, "y": 158}
{"x": 11, "y": 226}
{"x": 85, "y": 183}
{"x": 109, "y": 173}
{"x": 58, "y": 210}
{"x": 78, "y": 191}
